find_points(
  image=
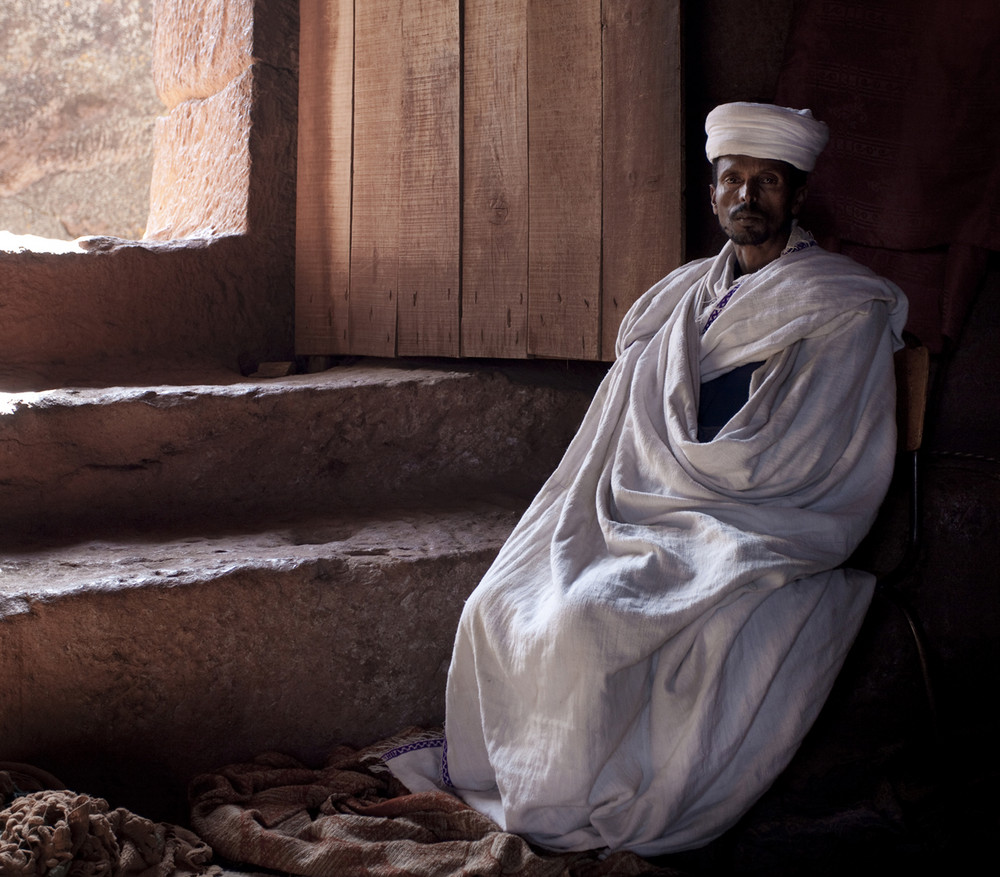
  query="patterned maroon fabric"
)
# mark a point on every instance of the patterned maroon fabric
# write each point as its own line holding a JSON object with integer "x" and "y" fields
{"x": 910, "y": 182}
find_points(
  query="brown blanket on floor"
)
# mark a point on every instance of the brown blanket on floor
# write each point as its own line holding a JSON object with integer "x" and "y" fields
{"x": 352, "y": 817}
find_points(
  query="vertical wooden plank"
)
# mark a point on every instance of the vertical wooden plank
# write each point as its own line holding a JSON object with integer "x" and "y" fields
{"x": 376, "y": 204}
{"x": 495, "y": 198}
{"x": 643, "y": 209}
{"x": 564, "y": 168}
{"x": 323, "y": 199}
{"x": 430, "y": 209}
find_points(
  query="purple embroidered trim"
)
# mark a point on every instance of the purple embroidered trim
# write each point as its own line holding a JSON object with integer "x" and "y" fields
{"x": 412, "y": 747}
{"x": 718, "y": 308}
{"x": 801, "y": 245}
{"x": 434, "y": 743}
{"x": 445, "y": 776}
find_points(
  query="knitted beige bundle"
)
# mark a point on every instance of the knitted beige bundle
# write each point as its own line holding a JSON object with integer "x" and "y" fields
{"x": 65, "y": 834}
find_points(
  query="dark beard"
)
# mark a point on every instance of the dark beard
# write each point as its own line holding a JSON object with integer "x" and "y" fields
{"x": 751, "y": 236}
{"x": 748, "y": 237}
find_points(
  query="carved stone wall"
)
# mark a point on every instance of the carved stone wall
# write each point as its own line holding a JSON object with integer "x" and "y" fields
{"x": 79, "y": 106}
{"x": 125, "y": 308}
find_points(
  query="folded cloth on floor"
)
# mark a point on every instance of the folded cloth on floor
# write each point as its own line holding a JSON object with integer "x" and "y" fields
{"x": 352, "y": 816}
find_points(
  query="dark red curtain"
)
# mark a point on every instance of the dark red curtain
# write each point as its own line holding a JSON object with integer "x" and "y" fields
{"x": 910, "y": 182}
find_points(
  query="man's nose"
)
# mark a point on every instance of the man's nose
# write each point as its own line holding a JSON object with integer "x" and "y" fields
{"x": 749, "y": 192}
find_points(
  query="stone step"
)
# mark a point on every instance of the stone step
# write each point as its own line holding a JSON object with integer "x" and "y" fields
{"x": 218, "y": 454}
{"x": 129, "y": 665}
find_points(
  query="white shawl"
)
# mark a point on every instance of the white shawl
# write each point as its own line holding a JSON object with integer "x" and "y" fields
{"x": 663, "y": 625}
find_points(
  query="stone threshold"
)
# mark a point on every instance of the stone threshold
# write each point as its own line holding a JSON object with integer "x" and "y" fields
{"x": 368, "y": 434}
{"x": 131, "y": 665}
{"x": 44, "y": 572}
{"x": 193, "y": 573}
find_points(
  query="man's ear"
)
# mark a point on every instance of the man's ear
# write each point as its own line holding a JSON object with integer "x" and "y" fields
{"x": 798, "y": 199}
{"x": 711, "y": 195}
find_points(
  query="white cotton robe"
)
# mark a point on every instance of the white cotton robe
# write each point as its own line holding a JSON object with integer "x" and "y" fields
{"x": 663, "y": 625}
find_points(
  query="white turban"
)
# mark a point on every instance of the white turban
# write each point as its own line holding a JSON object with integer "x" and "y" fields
{"x": 765, "y": 131}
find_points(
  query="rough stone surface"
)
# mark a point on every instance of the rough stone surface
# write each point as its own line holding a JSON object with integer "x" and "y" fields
{"x": 225, "y": 153}
{"x": 76, "y": 136}
{"x": 273, "y": 153}
{"x": 226, "y": 164}
{"x": 200, "y": 47}
{"x": 353, "y": 437}
{"x": 201, "y": 175}
{"x": 129, "y": 666}
{"x": 125, "y": 308}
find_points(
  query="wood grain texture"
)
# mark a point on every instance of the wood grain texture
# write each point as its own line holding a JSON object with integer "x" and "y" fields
{"x": 378, "y": 126}
{"x": 495, "y": 201}
{"x": 487, "y": 178}
{"x": 564, "y": 161}
{"x": 430, "y": 184}
{"x": 643, "y": 154}
{"x": 323, "y": 183}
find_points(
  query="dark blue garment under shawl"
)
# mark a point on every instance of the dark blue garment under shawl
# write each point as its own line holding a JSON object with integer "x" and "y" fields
{"x": 721, "y": 398}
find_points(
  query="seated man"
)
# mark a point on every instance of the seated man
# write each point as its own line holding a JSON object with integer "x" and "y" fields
{"x": 663, "y": 625}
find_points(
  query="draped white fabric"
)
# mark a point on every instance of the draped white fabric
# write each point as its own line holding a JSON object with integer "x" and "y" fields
{"x": 664, "y": 623}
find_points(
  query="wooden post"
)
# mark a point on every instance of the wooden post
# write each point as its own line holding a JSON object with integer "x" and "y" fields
{"x": 429, "y": 205}
{"x": 643, "y": 204}
{"x": 564, "y": 171}
{"x": 323, "y": 210}
{"x": 495, "y": 203}
{"x": 378, "y": 125}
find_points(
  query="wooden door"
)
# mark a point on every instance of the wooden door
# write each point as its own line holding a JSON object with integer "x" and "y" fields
{"x": 496, "y": 178}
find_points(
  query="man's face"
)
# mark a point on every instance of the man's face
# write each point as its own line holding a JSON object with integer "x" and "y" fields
{"x": 755, "y": 201}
